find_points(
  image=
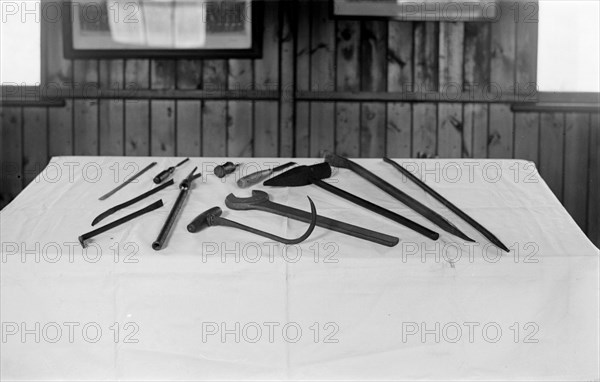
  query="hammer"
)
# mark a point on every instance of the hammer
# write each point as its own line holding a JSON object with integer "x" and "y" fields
{"x": 212, "y": 217}
{"x": 304, "y": 175}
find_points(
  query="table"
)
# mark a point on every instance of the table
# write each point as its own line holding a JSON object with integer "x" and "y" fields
{"x": 226, "y": 304}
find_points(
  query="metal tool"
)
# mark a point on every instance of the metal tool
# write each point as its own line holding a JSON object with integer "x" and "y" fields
{"x": 490, "y": 236}
{"x": 212, "y": 217}
{"x": 407, "y": 200}
{"x": 164, "y": 174}
{"x": 128, "y": 203}
{"x": 225, "y": 168}
{"x": 304, "y": 175}
{"x": 97, "y": 231}
{"x": 260, "y": 201}
{"x": 185, "y": 187}
{"x": 125, "y": 183}
{"x": 259, "y": 176}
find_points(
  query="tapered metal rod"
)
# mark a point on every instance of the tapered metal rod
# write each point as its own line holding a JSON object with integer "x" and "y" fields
{"x": 125, "y": 183}
{"x": 490, "y": 236}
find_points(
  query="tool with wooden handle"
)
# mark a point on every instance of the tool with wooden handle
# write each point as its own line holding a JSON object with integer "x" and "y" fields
{"x": 125, "y": 183}
{"x": 225, "y": 168}
{"x": 164, "y": 174}
{"x": 407, "y": 200}
{"x": 490, "y": 236}
{"x": 260, "y": 201}
{"x": 304, "y": 175}
{"x": 213, "y": 217}
{"x": 259, "y": 176}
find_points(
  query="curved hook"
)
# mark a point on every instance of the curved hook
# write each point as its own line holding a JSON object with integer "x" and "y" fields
{"x": 216, "y": 220}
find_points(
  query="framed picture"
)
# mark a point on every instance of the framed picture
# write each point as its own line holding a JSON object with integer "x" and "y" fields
{"x": 419, "y": 10}
{"x": 162, "y": 28}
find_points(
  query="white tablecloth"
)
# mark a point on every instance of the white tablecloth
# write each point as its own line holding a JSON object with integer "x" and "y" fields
{"x": 333, "y": 307}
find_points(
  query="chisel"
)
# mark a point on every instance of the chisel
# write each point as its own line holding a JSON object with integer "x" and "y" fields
{"x": 164, "y": 174}
{"x": 125, "y": 183}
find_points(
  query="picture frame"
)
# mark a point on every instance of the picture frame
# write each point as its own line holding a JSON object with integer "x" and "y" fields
{"x": 417, "y": 10}
{"x": 193, "y": 29}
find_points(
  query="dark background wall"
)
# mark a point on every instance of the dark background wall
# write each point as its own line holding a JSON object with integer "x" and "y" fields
{"x": 322, "y": 83}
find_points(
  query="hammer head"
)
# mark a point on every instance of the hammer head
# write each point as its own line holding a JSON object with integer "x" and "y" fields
{"x": 235, "y": 203}
{"x": 203, "y": 220}
{"x": 300, "y": 176}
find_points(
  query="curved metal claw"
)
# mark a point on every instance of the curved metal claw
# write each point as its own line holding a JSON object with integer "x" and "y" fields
{"x": 212, "y": 218}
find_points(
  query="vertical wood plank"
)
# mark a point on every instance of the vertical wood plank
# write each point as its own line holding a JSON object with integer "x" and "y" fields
{"x": 577, "y": 134}
{"x": 477, "y": 56}
{"x": 85, "y": 111}
{"x": 137, "y": 112}
{"x": 12, "y": 154}
{"x": 111, "y": 111}
{"x": 162, "y": 112}
{"x": 240, "y": 113}
{"x": 424, "y": 139}
{"x": 400, "y": 56}
{"x": 527, "y": 131}
{"x": 399, "y": 124}
{"x": 475, "y": 130}
{"x": 593, "y": 213}
{"x": 322, "y": 75}
{"x": 189, "y": 117}
{"x": 266, "y": 73}
{"x": 552, "y": 131}
{"x": 302, "y": 80}
{"x": 450, "y": 129}
{"x": 426, "y": 38}
{"x": 287, "y": 76}
{"x": 500, "y": 140}
{"x": 503, "y": 48}
{"x": 60, "y": 129}
{"x": 372, "y": 130}
{"x": 189, "y": 128}
{"x": 214, "y": 113}
{"x": 35, "y": 142}
{"x": 347, "y": 129}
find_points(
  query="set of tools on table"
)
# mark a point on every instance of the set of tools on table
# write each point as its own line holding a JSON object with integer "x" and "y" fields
{"x": 298, "y": 176}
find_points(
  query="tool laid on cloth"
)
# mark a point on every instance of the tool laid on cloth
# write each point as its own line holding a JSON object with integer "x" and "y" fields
{"x": 128, "y": 203}
{"x": 212, "y": 217}
{"x": 259, "y": 176}
{"x": 260, "y": 201}
{"x": 97, "y": 231}
{"x": 304, "y": 175}
{"x": 490, "y": 236}
{"x": 421, "y": 209}
{"x": 164, "y": 174}
{"x": 125, "y": 183}
{"x": 185, "y": 187}
{"x": 225, "y": 168}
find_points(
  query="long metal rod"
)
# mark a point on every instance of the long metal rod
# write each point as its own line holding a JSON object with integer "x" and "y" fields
{"x": 407, "y": 200}
{"x": 484, "y": 231}
{"x": 125, "y": 183}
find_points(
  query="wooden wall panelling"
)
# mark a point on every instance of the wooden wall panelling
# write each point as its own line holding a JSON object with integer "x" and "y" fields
{"x": 450, "y": 115}
{"x": 162, "y": 112}
{"x": 288, "y": 20}
{"x": 373, "y": 78}
{"x": 322, "y": 78}
{"x": 214, "y": 113}
{"x": 593, "y": 203}
{"x": 60, "y": 129}
{"x": 577, "y": 133}
{"x": 85, "y": 111}
{"x": 240, "y": 113}
{"x": 266, "y": 77}
{"x": 552, "y": 131}
{"x": 527, "y": 134}
{"x": 348, "y": 69}
{"x": 526, "y": 54}
{"x": 189, "y": 116}
{"x": 12, "y": 153}
{"x": 137, "y": 112}
{"x": 112, "y": 112}
{"x": 302, "y": 79}
{"x": 475, "y": 130}
{"x": 399, "y": 79}
{"x": 35, "y": 147}
{"x": 502, "y": 77}
{"x": 425, "y": 69}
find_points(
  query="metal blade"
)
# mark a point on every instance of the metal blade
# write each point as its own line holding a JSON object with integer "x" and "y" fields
{"x": 125, "y": 183}
{"x": 283, "y": 166}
